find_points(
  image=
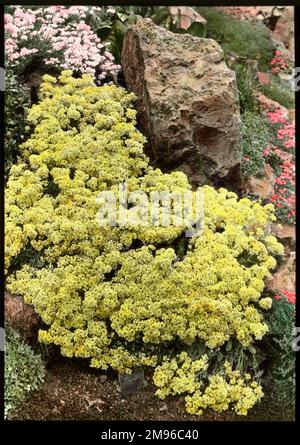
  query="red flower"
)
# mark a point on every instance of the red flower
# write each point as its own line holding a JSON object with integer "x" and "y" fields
{"x": 279, "y": 62}
{"x": 289, "y": 295}
{"x": 266, "y": 152}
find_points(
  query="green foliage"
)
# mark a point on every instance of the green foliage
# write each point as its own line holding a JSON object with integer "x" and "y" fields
{"x": 255, "y": 138}
{"x": 163, "y": 17}
{"x": 112, "y": 32}
{"x": 280, "y": 91}
{"x": 244, "y": 39}
{"x": 282, "y": 366}
{"x": 113, "y": 35}
{"x": 17, "y": 100}
{"x": 24, "y": 370}
{"x": 111, "y": 29}
{"x": 247, "y": 86}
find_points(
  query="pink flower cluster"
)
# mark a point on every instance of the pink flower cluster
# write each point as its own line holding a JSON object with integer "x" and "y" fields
{"x": 284, "y": 184}
{"x": 276, "y": 116}
{"x": 289, "y": 295}
{"x": 284, "y": 189}
{"x": 279, "y": 62}
{"x": 286, "y": 129}
{"x": 266, "y": 152}
{"x": 71, "y": 43}
{"x": 287, "y": 134}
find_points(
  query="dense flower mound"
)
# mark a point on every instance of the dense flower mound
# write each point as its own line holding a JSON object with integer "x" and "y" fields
{"x": 280, "y": 62}
{"x": 57, "y": 36}
{"x": 227, "y": 388}
{"x": 281, "y": 155}
{"x": 285, "y": 130}
{"x": 124, "y": 296}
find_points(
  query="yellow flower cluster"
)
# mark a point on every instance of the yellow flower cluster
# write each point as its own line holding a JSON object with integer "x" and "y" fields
{"x": 182, "y": 375}
{"x": 179, "y": 375}
{"x": 232, "y": 389}
{"x": 102, "y": 288}
{"x": 122, "y": 360}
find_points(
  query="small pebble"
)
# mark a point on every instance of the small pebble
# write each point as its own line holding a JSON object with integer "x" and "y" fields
{"x": 163, "y": 408}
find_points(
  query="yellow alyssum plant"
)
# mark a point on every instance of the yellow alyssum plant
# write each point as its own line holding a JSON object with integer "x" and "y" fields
{"x": 225, "y": 389}
{"x": 117, "y": 294}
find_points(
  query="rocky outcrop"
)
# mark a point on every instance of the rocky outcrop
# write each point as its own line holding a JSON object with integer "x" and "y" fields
{"x": 280, "y": 20}
{"x": 265, "y": 13}
{"x": 22, "y": 317}
{"x": 261, "y": 187}
{"x": 271, "y": 105}
{"x": 285, "y": 277}
{"x": 286, "y": 234}
{"x": 187, "y": 103}
{"x": 284, "y": 30}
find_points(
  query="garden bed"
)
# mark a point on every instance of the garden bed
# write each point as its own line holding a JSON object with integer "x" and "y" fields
{"x": 204, "y": 303}
{"x": 72, "y": 391}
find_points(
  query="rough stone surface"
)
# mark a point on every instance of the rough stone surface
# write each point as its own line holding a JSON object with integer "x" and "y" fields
{"x": 286, "y": 234}
{"x": 131, "y": 384}
{"x": 260, "y": 12}
{"x": 285, "y": 277}
{"x": 22, "y": 317}
{"x": 292, "y": 115}
{"x": 263, "y": 78}
{"x": 271, "y": 105}
{"x": 262, "y": 187}
{"x": 284, "y": 30}
{"x": 187, "y": 103}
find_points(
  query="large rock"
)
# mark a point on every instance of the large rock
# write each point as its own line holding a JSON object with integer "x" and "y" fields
{"x": 22, "y": 317}
{"x": 187, "y": 103}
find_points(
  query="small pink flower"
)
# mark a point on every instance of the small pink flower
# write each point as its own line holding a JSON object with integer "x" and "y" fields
{"x": 10, "y": 27}
{"x": 24, "y": 52}
{"x": 7, "y": 18}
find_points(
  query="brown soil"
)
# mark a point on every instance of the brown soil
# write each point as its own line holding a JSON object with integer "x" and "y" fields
{"x": 72, "y": 391}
